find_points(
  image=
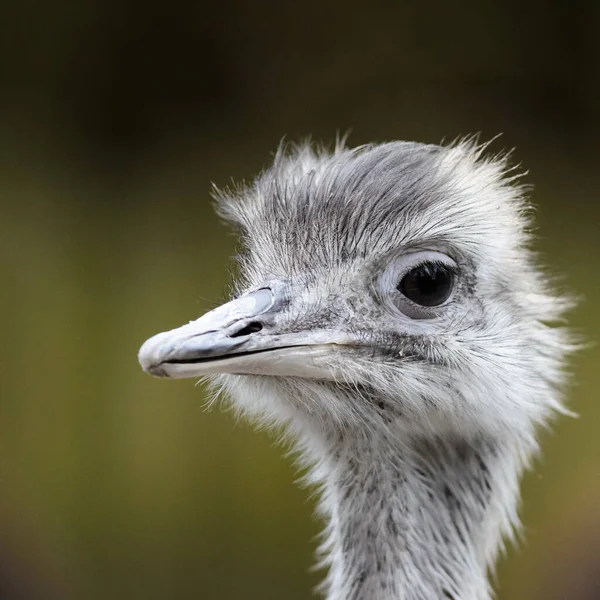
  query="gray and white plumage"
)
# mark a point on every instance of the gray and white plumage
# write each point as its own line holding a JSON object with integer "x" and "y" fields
{"x": 417, "y": 421}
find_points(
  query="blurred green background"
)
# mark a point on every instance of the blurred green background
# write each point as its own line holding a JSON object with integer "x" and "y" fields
{"x": 115, "y": 117}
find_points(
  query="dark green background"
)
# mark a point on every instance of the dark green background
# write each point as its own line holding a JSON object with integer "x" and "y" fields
{"x": 114, "y": 119}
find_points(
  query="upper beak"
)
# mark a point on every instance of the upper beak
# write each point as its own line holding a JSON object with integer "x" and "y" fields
{"x": 241, "y": 337}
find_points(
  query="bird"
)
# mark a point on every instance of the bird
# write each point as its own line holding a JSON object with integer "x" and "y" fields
{"x": 391, "y": 316}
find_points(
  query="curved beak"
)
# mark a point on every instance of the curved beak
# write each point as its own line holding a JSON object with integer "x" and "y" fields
{"x": 242, "y": 337}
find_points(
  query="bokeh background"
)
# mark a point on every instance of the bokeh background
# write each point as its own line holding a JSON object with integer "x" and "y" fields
{"x": 115, "y": 117}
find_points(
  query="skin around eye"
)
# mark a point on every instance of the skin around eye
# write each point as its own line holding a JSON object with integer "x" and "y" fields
{"x": 418, "y": 283}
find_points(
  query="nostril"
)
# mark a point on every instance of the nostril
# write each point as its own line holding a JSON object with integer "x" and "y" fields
{"x": 252, "y": 327}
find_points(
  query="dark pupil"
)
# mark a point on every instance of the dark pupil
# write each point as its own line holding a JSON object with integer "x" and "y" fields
{"x": 429, "y": 284}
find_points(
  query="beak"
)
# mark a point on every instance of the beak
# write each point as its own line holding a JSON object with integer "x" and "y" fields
{"x": 241, "y": 337}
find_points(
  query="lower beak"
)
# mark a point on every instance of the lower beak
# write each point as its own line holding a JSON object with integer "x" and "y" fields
{"x": 240, "y": 337}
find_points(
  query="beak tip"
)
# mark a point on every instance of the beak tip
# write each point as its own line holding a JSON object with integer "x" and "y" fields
{"x": 148, "y": 356}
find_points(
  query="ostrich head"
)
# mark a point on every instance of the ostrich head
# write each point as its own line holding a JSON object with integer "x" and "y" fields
{"x": 390, "y": 315}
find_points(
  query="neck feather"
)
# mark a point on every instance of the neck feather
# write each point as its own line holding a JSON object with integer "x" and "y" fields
{"x": 414, "y": 518}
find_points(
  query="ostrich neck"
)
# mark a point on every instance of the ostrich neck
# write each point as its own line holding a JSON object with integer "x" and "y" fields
{"x": 415, "y": 520}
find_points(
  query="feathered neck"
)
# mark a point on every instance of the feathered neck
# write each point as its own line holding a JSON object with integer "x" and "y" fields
{"x": 411, "y": 518}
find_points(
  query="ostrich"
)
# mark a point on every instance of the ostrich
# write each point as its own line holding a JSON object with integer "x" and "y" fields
{"x": 389, "y": 316}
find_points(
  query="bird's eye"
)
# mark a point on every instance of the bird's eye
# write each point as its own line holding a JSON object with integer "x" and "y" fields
{"x": 428, "y": 284}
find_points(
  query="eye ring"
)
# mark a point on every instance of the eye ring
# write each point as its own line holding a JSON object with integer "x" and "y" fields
{"x": 429, "y": 284}
{"x": 393, "y": 289}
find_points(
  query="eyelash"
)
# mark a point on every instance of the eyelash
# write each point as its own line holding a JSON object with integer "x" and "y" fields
{"x": 425, "y": 268}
